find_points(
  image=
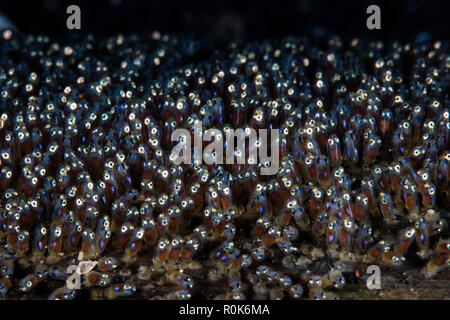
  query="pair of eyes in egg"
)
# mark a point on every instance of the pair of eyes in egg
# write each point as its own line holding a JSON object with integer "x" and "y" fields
{"x": 347, "y": 223}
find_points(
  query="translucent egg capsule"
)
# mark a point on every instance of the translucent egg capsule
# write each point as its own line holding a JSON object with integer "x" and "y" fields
{"x": 399, "y": 143}
{"x": 28, "y": 283}
{"x": 135, "y": 242}
{"x": 91, "y": 214}
{"x": 162, "y": 202}
{"x": 435, "y": 265}
{"x": 55, "y": 242}
{"x": 41, "y": 272}
{"x": 260, "y": 227}
{"x": 258, "y": 119}
{"x": 404, "y": 168}
{"x": 178, "y": 295}
{"x": 337, "y": 173}
{"x": 350, "y": 148}
{"x": 73, "y": 237}
{"x": 224, "y": 253}
{"x": 336, "y": 207}
{"x": 147, "y": 207}
{"x": 380, "y": 178}
{"x": 323, "y": 171}
{"x": 334, "y": 151}
{"x": 310, "y": 144}
{"x": 362, "y": 207}
{"x": 121, "y": 238}
{"x": 169, "y": 127}
{"x": 336, "y": 278}
{"x": 98, "y": 279}
{"x": 239, "y": 113}
{"x": 410, "y": 197}
{"x": 120, "y": 290}
{"x": 387, "y": 208}
{"x": 287, "y": 212}
{"x": 87, "y": 242}
{"x": 343, "y": 183}
{"x": 405, "y": 239}
{"x": 162, "y": 224}
{"x": 195, "y": 191}
{"x": 9, "y": 153}
{"x": 301, "y": 218}
{"x": 212, "y": 197}
{"x": 5, "y": 285}
{"x": 28, "y": 181}
{"x": 60, "y": 208}
{"x": 106, "y": 264}
{"x": 416, "y": 155}
{"x": 434, "y": 222}
{"x": 429, "y": 195}
{"x": 272, "y": 235}
{"x": 404, "y": 127}
{"x": 218, "y": 222}
{"x": 176, "y": 249}
{"x": 332, "y": 233}
{"x": 347, "y": 232}
{"x": 356, "y": 122}
{"x": 190, "y": 247}
{"x": 393, "y": 259}
{"x": 431, "y": 148}
{"x": 62, "y": 293}
{"x": 181, "y": 279}
{"x": 117, "y": 214}
{"x": 150, "y": 232}
{"x": 71, "y": 158}
{"x": 234, "y": 281}
{"x": 259, "y": 204}
{"x": 287, "y": 248}
{"x": 123, "y": 175}
{"x": 187, "y": 207}
{"x": 275, "y": 194}
{"x": 369, "y": 190}
{"x": 225, "y": 195}
{"x": 395, "y": 175}
{"x": 132, "y": 215}
{"x": 377, "y": 250}
{"x": 315, "y": 282}
{"x": 103, "y": 234}
{"x": 40, "y": 238}
{"x": 316, "y": 201}
{"x": 7, "y": 268}
{"x": 96, "y": 158}
{"x": 229, "y": 231}
{"x": 262, "y": 272}
{"x": 443, "y": 170}
{"x": 177, "y": 187}
{"x": 429, "y": 128}
{"x": 296, "y": 146}
{"x": 23, "y": 242}
{"x": 147, "y": 188}
{"x": 57, "y": 272}
{"x": 162, "y": 251}
{"x": 6, "y": 177}
{"x": 363, "y": 238}
{"x": 371, "y": 148}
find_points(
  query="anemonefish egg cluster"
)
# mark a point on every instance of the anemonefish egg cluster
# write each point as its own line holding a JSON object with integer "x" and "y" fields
{"x": 85, "y": 167}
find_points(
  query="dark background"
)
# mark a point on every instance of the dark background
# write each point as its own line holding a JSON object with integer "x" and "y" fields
{"x": 217, "y": 21}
